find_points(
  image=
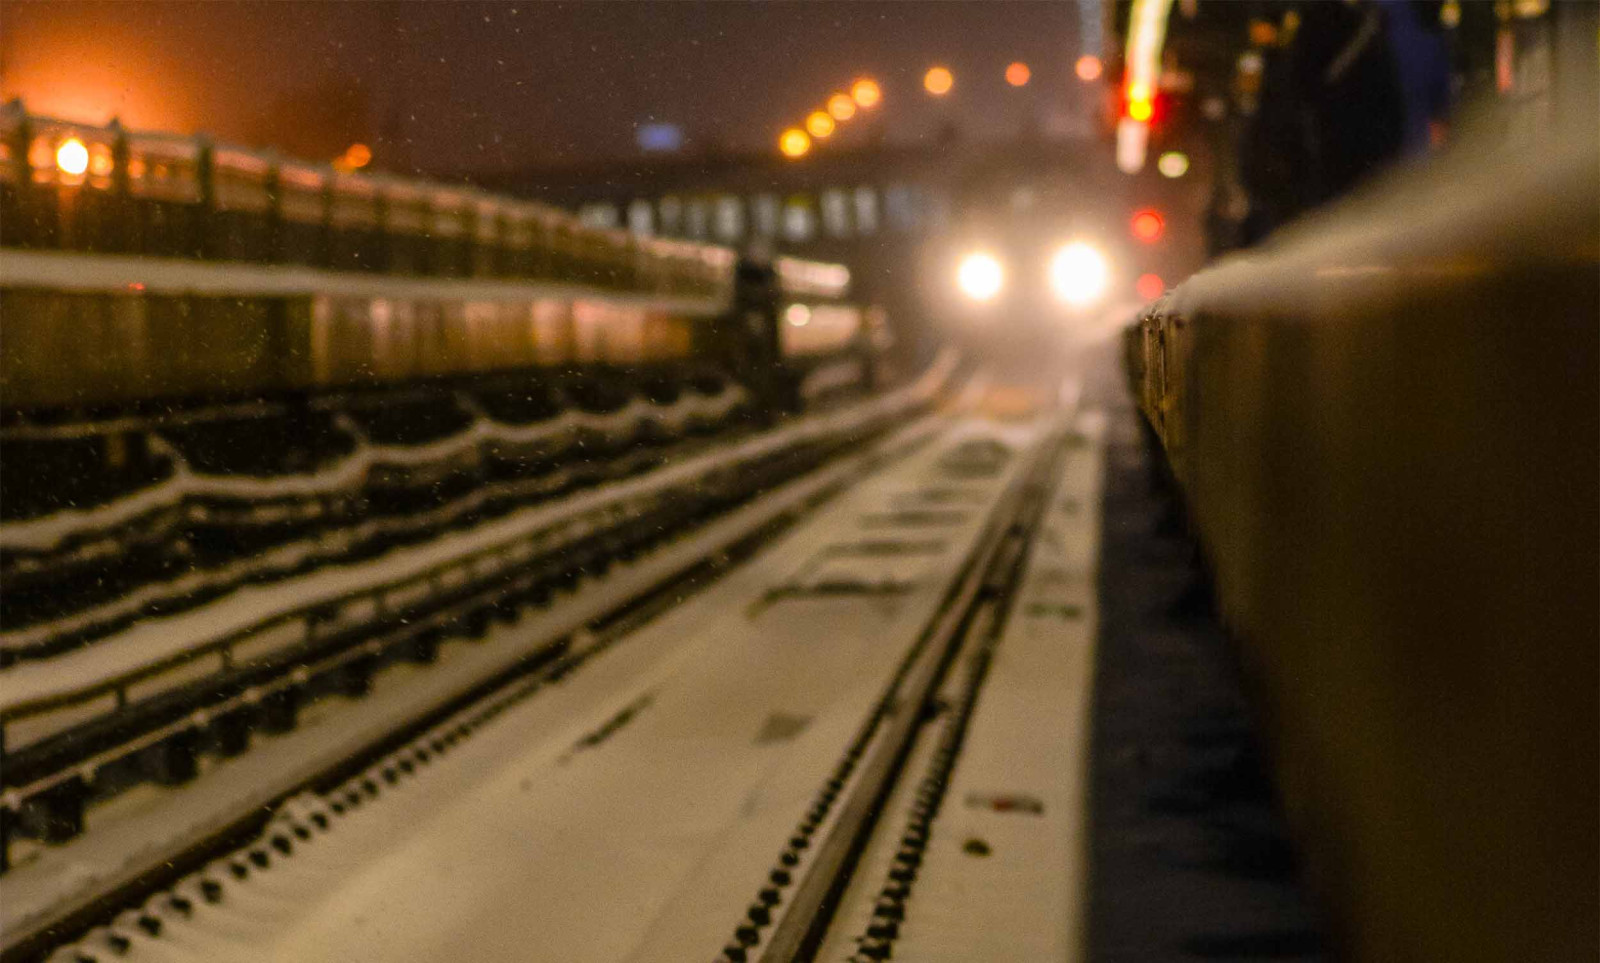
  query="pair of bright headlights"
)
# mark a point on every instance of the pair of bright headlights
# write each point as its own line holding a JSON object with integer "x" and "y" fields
{"x": 1079, "y": 274}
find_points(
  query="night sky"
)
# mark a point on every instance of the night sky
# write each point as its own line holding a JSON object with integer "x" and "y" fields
{"x": 466, "y": 86}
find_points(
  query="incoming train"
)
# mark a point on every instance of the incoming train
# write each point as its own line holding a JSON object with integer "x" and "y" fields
{"x": 220, "y": 272}
{"x": 1044, "y": 243}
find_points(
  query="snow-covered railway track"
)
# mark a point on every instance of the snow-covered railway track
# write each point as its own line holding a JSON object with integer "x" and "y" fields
{"x": 630, "y": 812}
{"x": 920, "y": 705}
{"x": 547, "y": 647}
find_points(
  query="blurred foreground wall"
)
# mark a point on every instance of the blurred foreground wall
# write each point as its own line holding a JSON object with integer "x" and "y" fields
{"x": 1387, "y": 425}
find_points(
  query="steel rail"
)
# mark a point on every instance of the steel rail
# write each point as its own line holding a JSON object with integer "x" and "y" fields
{"x": 988, "y": 576}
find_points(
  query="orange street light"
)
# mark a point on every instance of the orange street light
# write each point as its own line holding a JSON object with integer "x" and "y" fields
{"x": 72, "y": 157}
{"x": 1018, "y": 74}
{"x": 355, "y": 157}
{"x": 938, "y": 81}
{"x": 1088, "y": 68}
{"x": 841, "y": 107}
{"x": 794, "y": 142}
{"x": 866, "y": 92}
{"x": 819, "y": 123}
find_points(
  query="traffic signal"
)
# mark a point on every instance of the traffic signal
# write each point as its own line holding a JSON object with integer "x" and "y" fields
{"x": 1147, "y": 225}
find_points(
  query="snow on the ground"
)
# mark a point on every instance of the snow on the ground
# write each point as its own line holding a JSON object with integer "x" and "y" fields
{"x": 126, "y": 834}
{"x": 1027, "y": 746}
{"x": 529, "y": 841}
{"x": 155, "y": 640}
{"x": 48, "y": 531}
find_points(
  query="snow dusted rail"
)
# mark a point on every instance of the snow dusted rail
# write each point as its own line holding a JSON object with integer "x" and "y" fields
{"x": 158, "y": 512}
{"x": 649, "y": 750}
{"x": 142, "y": 689}
{"x": 850, "y": 805}
{"x": 51, "y": 531}
{"x": 586, "y": 627}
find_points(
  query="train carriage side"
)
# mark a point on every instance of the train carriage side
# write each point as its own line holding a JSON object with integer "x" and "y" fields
{"x": 613, "y": 299}
{"x": 355, "y": 224}
{"x": 300, "y": 223}
{"x": 239, "y": 221}
{"x": 165, "y": 194}
{"x": 406, "y": 217}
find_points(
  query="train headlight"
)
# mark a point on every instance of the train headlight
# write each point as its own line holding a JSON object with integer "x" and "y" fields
{"x": 1079, "y": 274}
{"x": 980, "y": 276}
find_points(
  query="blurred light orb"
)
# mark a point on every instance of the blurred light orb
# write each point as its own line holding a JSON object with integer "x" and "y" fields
{"x": 72, "y": 157}
{"x": 841, "y": 107}
{"x": 1147, "y": 226}
{"x": 659, "y": 137}
{"x": 820, "y": 124}
{"x": 1173, "y": 164}
{"x": 1263, "y": 33}
{"x": 1140, "y": 109}
{"x": 797, "y": 315}
{"x": 979, "y": 276}
{"x": 1149, "y": 286}
{"x": 1018, "y": 74}
{"x": 938, "y": 81}
{"x": 794, "y": 142}
{"x": 1079, "y": 273}
{"x": 866, "y": 92}
{"x": 355, "y": 157}
{"x": 1088, "y": 68}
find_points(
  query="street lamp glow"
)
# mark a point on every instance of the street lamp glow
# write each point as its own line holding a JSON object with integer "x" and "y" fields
{"x": 355, "y": 157}
{"x": 1018, "y": 74}
{"x": 938, "y": 81}
{"x": 866, "y": 93}
{"x": 1173, "y": 164}
{"x": 1079, "y": 273}
{"x": 980, "y": 276}
{"x": 841, "y": 107}
{"x": 820, "y": 124}
{"x": 1088, "y": 68}
{"x": 794, "y": 142}
{"x": 72, "y": 157}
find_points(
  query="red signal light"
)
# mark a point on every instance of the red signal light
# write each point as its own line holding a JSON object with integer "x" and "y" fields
{"x": 1140, "y": 103}
{"x": 1149, "y": 287}
{"x": 1148, "y": 226}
